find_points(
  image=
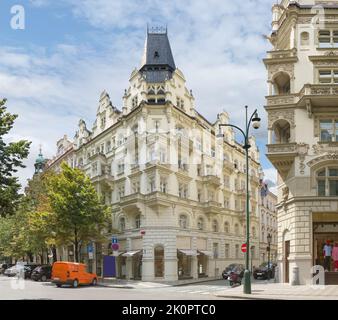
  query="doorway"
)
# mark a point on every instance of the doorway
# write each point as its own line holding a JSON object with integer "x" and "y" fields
{"x": 159, "y": 261}
{"x": 286, "y": 261}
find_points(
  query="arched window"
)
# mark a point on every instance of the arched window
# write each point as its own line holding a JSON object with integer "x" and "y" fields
{"x": 327, "y": 182}
{"x": 226, "y": 227}
{"x": 282, "y": 131}
{"x": 183, "y": 221}
{"x": 236, "y": 229}
{"x": 159, "y": 261}
{"x": 122, "y": 224}
{"x": 281, "y": 84}
{"x": 214, "y": 226}
{"x": 200, "y": 224}
{"x": 138, "y": 221}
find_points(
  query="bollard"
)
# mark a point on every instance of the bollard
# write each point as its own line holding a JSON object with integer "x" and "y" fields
{"x": 295, "y": 276}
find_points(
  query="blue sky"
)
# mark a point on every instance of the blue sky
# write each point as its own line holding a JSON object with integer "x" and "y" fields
{"x": 53, "y": 72}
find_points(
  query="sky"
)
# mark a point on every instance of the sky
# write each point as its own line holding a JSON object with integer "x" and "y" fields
{"x": 53, "y": 71}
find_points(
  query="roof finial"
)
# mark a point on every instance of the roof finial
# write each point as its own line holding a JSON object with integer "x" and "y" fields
{"x": 40, "y": 149}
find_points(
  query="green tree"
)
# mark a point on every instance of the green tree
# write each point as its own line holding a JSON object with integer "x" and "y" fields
{"x": 79, "y": 215}
{"x": 11, "y": 158}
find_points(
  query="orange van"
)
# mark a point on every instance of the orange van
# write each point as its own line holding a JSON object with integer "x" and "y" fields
{"x": 72, "y": 273}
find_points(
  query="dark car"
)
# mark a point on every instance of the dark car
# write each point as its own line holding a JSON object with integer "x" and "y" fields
{"x": 5, "y": 266}
{"x": 42, "y": 273}
{"x": 264, "y": 272}
{"x": 234, "y": 267}
{"x": 28, "y": 268}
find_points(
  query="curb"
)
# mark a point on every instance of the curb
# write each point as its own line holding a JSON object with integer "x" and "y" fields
{"x": 245, "y": 297}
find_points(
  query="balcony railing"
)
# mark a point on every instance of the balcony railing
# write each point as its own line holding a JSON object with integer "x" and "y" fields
{"x": 282, "y": 148}
{"x": 319, "y": 90}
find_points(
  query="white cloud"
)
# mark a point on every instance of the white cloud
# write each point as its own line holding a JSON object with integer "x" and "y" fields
{"x": 217, "y": 45}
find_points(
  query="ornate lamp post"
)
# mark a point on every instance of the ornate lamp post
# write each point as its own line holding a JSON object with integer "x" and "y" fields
{"x": 255, "y": 120}
{"x": 269, "y": 238}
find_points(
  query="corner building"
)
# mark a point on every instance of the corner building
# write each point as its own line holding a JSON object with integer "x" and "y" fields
{"x": 176, "y": 191}
{"x": 302, "y": 108}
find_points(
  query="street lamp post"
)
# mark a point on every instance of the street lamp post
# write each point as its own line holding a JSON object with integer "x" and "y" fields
{"x": 269, "y": 237}
{"x": 255, "y": 120}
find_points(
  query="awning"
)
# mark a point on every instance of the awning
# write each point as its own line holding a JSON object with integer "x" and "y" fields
{"x": 206, "y": 253}
{"x": 130, "y": 253}
{"x": 189, "y": 252}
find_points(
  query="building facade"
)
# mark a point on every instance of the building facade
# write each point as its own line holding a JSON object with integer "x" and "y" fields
{"x": 268, "y": 225}
{"x": 302, "y": 107}
{"x": 177, "y": 193}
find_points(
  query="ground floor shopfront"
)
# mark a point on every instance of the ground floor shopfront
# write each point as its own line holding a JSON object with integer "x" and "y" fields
{"x": 304, "y": 228}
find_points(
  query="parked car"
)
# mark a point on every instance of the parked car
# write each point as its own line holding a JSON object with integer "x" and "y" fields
{"x": 42, "y": 273}
{"x": 234, "y": 267}
{"x": 5, "y": 266}
{"x": 11, "y": 272}
{"x": 264, "y": 272}
{"x": 72, "y": 273}
{"x": 29, "y": 269}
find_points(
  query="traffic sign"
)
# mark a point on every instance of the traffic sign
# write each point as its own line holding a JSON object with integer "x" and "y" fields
{"x": 114, "y": 240}
{"x": 243, "y": 248}
{"x": 115, "y": 246}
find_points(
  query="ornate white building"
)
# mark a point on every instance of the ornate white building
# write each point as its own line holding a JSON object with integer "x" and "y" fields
{"x": 302, "y": 108}
{"x": 177, "y": 192}
{"x": 268, "y": 225}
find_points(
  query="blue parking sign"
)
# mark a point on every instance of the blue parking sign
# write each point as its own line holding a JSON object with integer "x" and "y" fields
{"x": 114, "y": 240}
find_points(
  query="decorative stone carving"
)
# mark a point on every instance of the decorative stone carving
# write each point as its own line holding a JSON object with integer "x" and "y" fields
{"x": 308, "y": 107}
{"x": 329, "y": 156}
{"x": 304, "y": 20}
{"x": 285, "y": 193}
{"x": 287, "y": 67}
{"x": 278, "y": 148}
{"x": 320, "y": 149}
{"x": 288, "y": 115}
{"x": 303, "y": 149}
{"x": 281, "y": 100}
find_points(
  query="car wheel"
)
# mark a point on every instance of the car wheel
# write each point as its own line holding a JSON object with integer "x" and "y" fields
{"x": 255, "y": 277}
{"x": 75, "y": 283}
{"x": 44, "y": 278}
{"x": 94, "y": 283}
{"x": 231, "y": 283}
{"x": 58, "y": 285}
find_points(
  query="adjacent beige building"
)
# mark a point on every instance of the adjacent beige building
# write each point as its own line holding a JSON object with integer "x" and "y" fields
{"x": 302, "y": 107}
{"x": 176, "y": 191}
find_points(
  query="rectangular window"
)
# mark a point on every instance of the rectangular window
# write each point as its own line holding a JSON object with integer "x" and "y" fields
{"x": 227, "y": 251}
{"x": 321, "y": 187}
{"x": 164, "y": 185}
{"x": 324, "y": 38}
{"x": 326, "y": 130}
{"x": 329, "y": 76}
{"x": 152, "y": 185}
{"x": 215, "y": 250}
{"x": 333, "y": 187}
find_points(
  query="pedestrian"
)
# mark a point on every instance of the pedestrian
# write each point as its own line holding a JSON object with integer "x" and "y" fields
{"x": 335, "y": 256}
{"x": 327, "y": 252}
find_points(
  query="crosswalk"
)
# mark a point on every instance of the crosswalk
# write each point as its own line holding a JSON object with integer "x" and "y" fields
{"x": 200, "y": 289}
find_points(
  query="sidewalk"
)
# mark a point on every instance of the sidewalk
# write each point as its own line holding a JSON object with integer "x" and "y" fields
{"x": 281, "y": 291}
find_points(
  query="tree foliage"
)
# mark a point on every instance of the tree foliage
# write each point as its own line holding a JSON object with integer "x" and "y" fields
{"x": 79, "y": 214}
{"x": 11, "y": 158}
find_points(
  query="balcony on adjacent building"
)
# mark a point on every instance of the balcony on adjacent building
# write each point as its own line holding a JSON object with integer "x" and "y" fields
{"x": 212, "y": 180}
{"x": 212, "y": 207}
{"x": 313, "y": 96}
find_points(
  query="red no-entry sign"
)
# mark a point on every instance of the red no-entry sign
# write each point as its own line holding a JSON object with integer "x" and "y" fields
{"x": 243, "y": 248}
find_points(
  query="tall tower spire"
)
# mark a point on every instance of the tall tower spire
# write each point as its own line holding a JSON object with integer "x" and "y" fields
{"x": 157, "y": 62}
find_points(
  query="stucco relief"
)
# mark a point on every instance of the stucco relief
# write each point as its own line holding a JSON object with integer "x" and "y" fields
{"x": 330, "y": 147}
{"x": 303, "y": 149}
{"x": 287, "y": 67}
{"x": 278, "y": 115}
{"x": 325, "y": 157}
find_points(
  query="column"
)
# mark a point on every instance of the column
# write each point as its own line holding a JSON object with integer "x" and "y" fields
{"x": 129, "y": 268}
{"x": 194, "y": 267}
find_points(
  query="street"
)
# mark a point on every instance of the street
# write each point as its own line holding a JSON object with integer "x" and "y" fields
{"x": 46, "y": 290}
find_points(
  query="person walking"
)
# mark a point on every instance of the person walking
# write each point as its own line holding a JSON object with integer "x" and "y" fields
{"x": 327, "y": 252}
{"x": 335, "y": 256}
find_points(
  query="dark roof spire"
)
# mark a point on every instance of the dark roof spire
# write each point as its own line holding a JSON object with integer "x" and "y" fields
{"x": 157, "y": 61}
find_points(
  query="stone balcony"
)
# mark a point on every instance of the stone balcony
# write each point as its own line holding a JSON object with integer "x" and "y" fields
{"x": 282, "y": 156}
{"x": 212, "y": 179}
{"x": 228, "y": 165}
{"x": 212, "y": 207}
{"x": 318, "y": 95}
{"x": 284, "y": 100}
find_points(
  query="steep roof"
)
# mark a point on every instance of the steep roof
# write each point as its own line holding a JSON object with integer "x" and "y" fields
{"x": 157, "y": 50}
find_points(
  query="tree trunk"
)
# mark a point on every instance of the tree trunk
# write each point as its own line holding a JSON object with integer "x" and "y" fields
{"x": 54, "y": 254}
{"x": 76, "y": 245}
